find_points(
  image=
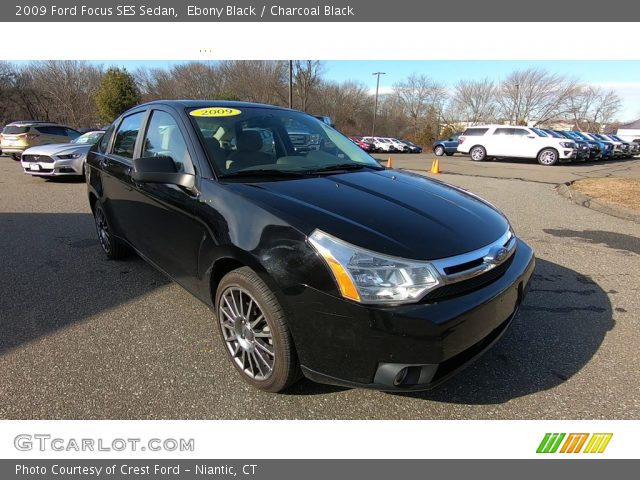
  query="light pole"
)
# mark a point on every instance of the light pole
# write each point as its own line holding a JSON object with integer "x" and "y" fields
{"x": 517, "y": 109}
{"x": 375, "y": 107}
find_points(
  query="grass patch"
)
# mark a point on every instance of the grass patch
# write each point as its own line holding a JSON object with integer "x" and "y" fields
{"x": 622, "y": 191}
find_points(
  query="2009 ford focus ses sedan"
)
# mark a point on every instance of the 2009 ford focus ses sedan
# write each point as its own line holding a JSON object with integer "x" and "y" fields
{"x": 315, "y": 260}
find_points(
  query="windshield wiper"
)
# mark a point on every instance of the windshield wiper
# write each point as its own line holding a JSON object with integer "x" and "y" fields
{"x": 263, "y": 172}
{"x": 342, "y": 167}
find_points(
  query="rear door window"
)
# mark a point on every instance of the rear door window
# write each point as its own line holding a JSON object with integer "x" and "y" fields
{"x": 127, "y": 134}
{"x": 475, "y": 132}
{"x": 521, "y": 132}
{"x": 52, "y": 130}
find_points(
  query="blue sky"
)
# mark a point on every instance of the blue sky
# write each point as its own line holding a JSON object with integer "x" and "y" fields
{"x": 621, "y": 76}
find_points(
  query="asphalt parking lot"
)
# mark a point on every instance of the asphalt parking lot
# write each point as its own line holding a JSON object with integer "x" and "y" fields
{"x": 82, "y": 337}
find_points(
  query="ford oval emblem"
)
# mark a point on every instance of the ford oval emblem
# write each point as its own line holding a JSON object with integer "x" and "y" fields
{"x": 496, "y": 255}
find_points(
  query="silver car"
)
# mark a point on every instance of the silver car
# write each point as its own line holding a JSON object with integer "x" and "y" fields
{"x": 59, "y": 159}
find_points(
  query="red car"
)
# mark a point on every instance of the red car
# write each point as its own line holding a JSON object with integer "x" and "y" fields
{"x": 367, "y": 147}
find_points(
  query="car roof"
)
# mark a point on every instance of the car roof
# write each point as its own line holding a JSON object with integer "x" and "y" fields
{"x": 211, "y": 103}
{"x": 32, "y": 122}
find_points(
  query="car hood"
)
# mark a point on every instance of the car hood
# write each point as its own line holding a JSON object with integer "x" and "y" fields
{"x": 386, "y": 211}
{"x": 56, "y": 148}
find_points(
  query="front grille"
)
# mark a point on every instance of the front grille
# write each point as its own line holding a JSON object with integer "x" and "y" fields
{"x": 37, "y": 158}
{"x": 298, "y": 139}
{"x": 466, "y": 286}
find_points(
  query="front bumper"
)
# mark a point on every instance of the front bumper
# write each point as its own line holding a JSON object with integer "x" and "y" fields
{"x": 17, "y": 150}
{"x": 57, "y": 168}
{"x": 344, "y": 343}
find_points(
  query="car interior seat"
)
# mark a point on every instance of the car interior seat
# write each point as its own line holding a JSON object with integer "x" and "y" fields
{"x": 248, "y": 153}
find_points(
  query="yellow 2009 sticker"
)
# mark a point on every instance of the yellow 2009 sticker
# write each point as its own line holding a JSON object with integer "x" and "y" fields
{"x": 215, "y": 112}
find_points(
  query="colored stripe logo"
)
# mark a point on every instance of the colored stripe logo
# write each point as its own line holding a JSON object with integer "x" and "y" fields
{"x": 574, "y": 443}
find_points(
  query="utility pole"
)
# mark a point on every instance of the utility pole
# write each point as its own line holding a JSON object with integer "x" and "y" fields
{"x": 375, "y": 108}
{"x": 517, "y": 109}
{"x": 290, "y": 83}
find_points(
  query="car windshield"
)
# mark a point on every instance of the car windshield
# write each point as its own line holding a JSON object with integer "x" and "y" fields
{"x": 254, "y": 140}
{"x": 539, "y": 132}
{"x": 88, "y": 138}
{"x": 555, "y": 134}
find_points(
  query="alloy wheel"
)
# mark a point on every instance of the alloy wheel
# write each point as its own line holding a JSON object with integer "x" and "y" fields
{"x": 102, "y": 228}
{"x": 246, "y": 333}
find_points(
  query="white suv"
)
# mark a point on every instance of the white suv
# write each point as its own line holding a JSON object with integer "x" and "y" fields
{"x": 486, "y": 141}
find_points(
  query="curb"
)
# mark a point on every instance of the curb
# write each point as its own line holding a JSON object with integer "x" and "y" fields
{"x": 581, "y": 199}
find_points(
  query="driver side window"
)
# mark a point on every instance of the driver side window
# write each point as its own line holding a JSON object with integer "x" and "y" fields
{"x": 164, "y": 139}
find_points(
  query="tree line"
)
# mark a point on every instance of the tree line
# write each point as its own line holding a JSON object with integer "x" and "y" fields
{"x": 83, "y": 94}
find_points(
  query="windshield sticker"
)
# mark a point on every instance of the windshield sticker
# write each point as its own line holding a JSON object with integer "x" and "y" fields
{"x": 215, "y": 112}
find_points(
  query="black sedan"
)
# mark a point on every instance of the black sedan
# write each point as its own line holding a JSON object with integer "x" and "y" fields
{"x": 315, "y": 262}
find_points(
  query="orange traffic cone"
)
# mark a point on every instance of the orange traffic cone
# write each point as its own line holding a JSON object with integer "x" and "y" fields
{"x": 435, "y": 167}
{"x": 390, "y": 163}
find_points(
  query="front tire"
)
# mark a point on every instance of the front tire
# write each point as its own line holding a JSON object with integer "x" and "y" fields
{"x": 478, "y": 153}
{"x": 548, "y": 157}
{"x": 439, "y": 150}
{"x": 113, "y": 248}
{"x": 255, "y": 332}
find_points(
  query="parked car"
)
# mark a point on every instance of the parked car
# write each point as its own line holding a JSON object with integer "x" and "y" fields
{"x": 486, "y": 141}
{"x": 366, "y": 146}
{"x": 397, "y": 145}
{"x": 583, "y": 151}
{"x": 626, "y": 147}
{"x": 60, "y": 159}
{"x": 379, "y": 144}
{"x": 302, "y": 277}
{"x": 18, "y": 136}
{"x": 619, "y": 149}
{"x": 606, "y": 148}
{"x": 413, "y": 148}
{"x": 447, "y": 146}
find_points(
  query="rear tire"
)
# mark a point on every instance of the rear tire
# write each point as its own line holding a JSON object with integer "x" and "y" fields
{"x": 113, "y": 248}
{"x": 15, "y": 156}
{"x": 548, "y": 157}
{"x": 439, "y": 150}
{"x": 478, "y": 153}
{"x": 254, "y": 329}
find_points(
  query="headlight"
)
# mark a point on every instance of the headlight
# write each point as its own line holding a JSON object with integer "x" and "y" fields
{"x": 370, "y": 277}
{"x": 69, "y": 156}
{"x": 568, "y": 144}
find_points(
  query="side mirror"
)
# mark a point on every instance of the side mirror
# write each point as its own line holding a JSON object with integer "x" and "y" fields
{"x": 160, "y": 170}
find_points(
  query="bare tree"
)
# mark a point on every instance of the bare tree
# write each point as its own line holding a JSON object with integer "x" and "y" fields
{"x": 534, "y": 95}
{"x": 420, "y": 95}
{"x": 261, "y": 81}
{"x": 306, "y": 77}
{"x": 591, "y": 108}
{"x": 475, "y": 101}
{"x": 69, "y": 87}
